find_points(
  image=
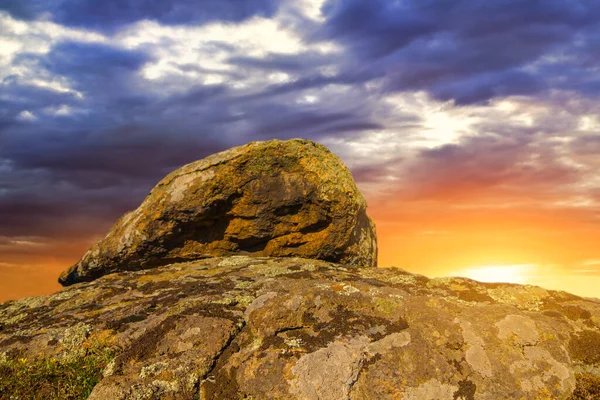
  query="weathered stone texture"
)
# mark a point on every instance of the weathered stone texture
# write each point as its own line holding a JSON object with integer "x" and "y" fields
{"x": 292, "y": 328}
{"x": 273, "y": 198}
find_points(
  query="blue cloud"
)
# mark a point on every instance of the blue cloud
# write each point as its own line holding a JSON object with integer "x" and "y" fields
{"x": 93, "y": 65}
{"x": 108, "y": 15}
{"x": 469, "y": 51}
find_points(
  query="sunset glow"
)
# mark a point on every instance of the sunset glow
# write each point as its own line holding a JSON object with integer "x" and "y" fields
{"x": 520, "y": 274}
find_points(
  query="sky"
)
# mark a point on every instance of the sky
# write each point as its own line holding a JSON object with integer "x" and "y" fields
{"x": 471, "y": 126}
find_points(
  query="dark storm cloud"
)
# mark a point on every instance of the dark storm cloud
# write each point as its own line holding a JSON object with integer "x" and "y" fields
{"x": 198, "y": 95}
{"x": 378, "y": 28}
{"x": 68, "y": 175}
{"x": 103, "y": 79}
{"x": 91, "y": 59}
{"x": 63, "y": 211}
{"x": 282, "y": 62}
{"x": 487, "y": 86}
{"x": 95, "y": 68}
{"x": 20, "y": 97}
{"x": 28, "y": 10}
{"x": 310, "y": 124}
{"x": 77, "y": 184}
{"x": 468, "y": 51}
{"x": 132, "y": 150}
{"x": 72, "y": 175}
{"x": 108, "y": 15}
{"x": 308, "y": 82}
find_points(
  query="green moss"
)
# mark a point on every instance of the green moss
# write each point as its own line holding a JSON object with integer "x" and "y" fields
{"x": 52, "y": 378}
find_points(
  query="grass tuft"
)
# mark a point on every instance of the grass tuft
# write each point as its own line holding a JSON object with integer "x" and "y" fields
{"x": 53, "y": 378}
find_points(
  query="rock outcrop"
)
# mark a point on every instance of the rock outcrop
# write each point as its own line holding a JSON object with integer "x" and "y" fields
{"x": 273, "y": 198}
{"x": 291, "y": 328}
{"x": 160, "y": 320}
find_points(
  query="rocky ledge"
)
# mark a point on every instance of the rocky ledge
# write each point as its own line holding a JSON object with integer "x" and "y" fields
{"x": 292, "y": 328}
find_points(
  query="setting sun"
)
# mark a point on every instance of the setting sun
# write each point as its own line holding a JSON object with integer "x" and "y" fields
{"x": 520, "y": 273}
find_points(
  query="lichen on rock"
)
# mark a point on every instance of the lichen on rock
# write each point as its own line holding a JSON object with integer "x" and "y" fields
{"x": 276, "y": 198}
{"x": 294, "y": 328}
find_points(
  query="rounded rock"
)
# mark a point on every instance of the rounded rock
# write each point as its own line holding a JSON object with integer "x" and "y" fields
{"x": 275, "y": 198}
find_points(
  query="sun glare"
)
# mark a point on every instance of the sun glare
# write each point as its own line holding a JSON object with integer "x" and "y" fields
{"x": 518, "y": 273}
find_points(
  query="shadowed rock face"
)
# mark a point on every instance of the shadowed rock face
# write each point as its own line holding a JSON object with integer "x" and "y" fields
{"x": 291, "y": 328}
{"x": 274, "y": 198}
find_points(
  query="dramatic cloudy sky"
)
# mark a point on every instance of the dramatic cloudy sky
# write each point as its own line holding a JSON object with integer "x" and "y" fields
{"x": 472, "y": 126}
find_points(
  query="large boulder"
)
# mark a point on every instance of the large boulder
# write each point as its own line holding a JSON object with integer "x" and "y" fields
{"x": 289, "y": 328}
{"x": 273, "y": 198}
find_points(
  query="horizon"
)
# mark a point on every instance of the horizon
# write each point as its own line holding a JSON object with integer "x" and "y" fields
{"x": 470, "y": 127}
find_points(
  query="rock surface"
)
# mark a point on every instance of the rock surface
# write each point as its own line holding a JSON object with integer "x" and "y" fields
{"x": 292, "y": 328}
{"x": 273, "y": 198}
